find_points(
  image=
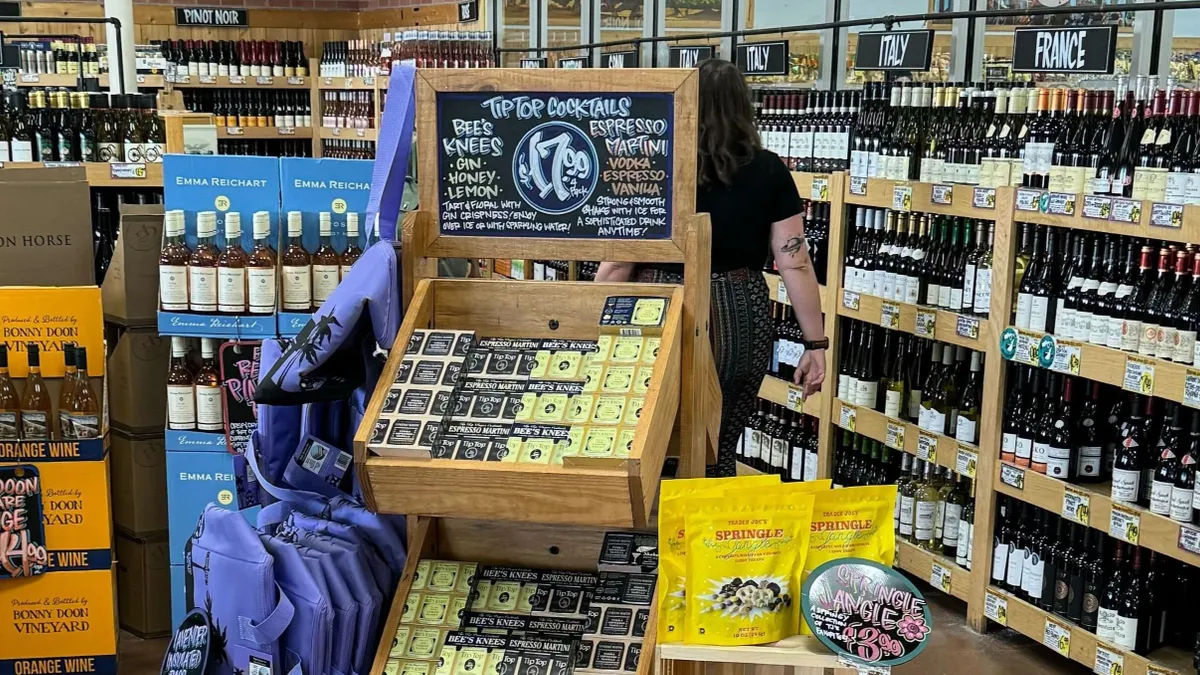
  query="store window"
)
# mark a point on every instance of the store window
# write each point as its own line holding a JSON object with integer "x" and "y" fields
{"x": 1185, "y": 46}
{"x": 804, "y": 48}
{"x": 514, "y": 29}
{"x": 939, "y": 65}
{"x": 998, "y": 38}
{"x": 624, "y": 20}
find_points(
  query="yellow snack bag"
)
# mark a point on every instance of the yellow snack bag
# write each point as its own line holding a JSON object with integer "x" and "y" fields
{"x": 672, "y": 547}
{"x": 741, "y": 562}
{"x": 851, "y": 522}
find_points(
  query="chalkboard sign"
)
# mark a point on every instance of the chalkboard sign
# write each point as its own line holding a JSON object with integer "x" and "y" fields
{"x": 688, "y": 57}
{"x": 533, "y": 63}
{"x": 866, "y": 611}
{"x": 223, "y": 17}
{"x": 575, "y": 62}
{"x": 555, "y": 165}
{"x": 189, "y": 649}
{"x": 894, "y": 50}
{"x": 626, "y": 59}
{"x": 239, "y": 375}
{"x": 763, "y": 58}
{"x": 1090, "y": 49}
{"x": 22, "y": 529}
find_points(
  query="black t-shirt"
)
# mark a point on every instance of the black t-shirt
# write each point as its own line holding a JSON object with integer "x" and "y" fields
{"x": 762, "y": 193}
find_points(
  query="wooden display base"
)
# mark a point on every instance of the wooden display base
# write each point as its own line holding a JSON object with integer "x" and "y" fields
{"x": 803, "y": 655}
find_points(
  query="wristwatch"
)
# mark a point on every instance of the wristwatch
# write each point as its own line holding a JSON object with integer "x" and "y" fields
{"x": 823, "y": 343}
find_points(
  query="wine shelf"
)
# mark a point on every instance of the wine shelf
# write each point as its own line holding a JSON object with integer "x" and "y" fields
{"x": 920, "y": 563}
{"x": 328, "y": 133}
{"x": 239, "y": 81}
{"x": 779, "y": 293}
{"x": 103, "y": 174}
{"x": 1167, "y": 380}
{"x": 352, "y": 83}
{"x": 1185, "y": 230}
{"x": 787, "y": 394}
{"x": 814, "y": 186}
{"x": 898, "y": 195}
{"x": 264, "y": 132}
{"x": 1155, "y": 532}
{"x": 964, "y": 330}
{"x": 1083, "y": 646}
{"x": 907, "y": 437}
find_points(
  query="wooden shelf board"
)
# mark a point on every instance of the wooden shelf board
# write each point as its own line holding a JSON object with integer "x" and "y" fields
{"x": 1156, "y": 532}
{"x": 880, "y": 194}
{"x": 919, "y": 563}
{"x": 1108, "y": 365}
{"x": 328, "y": 133}
{"x": 99, "y": 174}
{"x": 874, "y": 424}
{"x": 249, "y": 82}
{"x": 351, "y": 83}
{"x": 945, "y": 325}
{"x": 1189, "y": 232}
{"x": 775, "y": 390}
{"x": 795, "y": 651}
{"x": 804, "y": 184}
{"x": 263, "y": 132}
{"x": 1031, "y": 622}
{"x": 779, "y": 293}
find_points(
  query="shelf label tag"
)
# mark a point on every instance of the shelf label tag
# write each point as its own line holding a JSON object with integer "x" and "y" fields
{"x": 141, "y": 79}
{"x": 1057, "y": 637}
{"x": 858, "y": 185}
{"x": 942, "y": 194}
{"x": 927, "y": 447}
{"x": 895, "y": 436}
{"x": 850, "y": 300}
{"x": 939, "y": 577}
{"x": 1027, "y": 200}
{"x": 183, "y": 79}
{"x": 781, "y": 293}
{"x": 327, "y": 81}
{"x": 1076, "y": 505}
{"x": 795, "y": 398}
{"x": 1108, "y": 662}
{"x": 984, "y": 198}
{"x": 1189, "y": 539}
{"x": 1012, "y": 476}
{"x": 926, "y": 323}
{"x": 848, "y": 418}
{"x": 264, "y": 80}
{"x": 1067, "y": 357}
{"x": 296, "y": 81}
{"x": 237, "y": 79}
{"x": 208, "y": 79}
{"x": 30, "y": 78}
{"x": 1124, "y": 524}
{"x": 1139, "y": 376}
{"x": 1095, "y": 206}
{"x": 1017, "y": 345}
{"x": 889, "y": 315}
{"x": 996, "y": 608}
{"x": 368, "y": 81}
{"x": 1191, "y": 388}
{"x": 336, "y": 131}
{"x": 127, "y": 170}
{"x": 902, "y": 198}
{"x": 965, "y": 462}
{"x": 1126, "y": 211}
{"x": 1060, "y": 203}
{"x": 967, "y": 327}
{"x": 61, "y": 165}
{"x": 235, "y": 131}
{"x": 286, "y": 131}
{"x": 819, "y": 192}
{"x": 360, "y": 132}
{"x": 1167, "y": 215}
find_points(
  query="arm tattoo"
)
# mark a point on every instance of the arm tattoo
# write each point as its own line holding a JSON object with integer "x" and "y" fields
{"x": 793, "y": 245}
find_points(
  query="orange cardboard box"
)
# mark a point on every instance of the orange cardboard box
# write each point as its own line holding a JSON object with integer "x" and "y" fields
{"x": 50, "y": 317}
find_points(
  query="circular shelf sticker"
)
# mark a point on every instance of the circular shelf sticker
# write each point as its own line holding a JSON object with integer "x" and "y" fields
{"x": 1008, "y": 343}
{"x": 1046, "y": 351}
{"x": 866, "y": 611}
{"x": 189, "y": 649}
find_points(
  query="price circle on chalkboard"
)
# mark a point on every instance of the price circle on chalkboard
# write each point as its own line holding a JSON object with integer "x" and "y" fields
{"x": 866, "y": 611}
{"x": 562, "y": 165}
{"x": 188, "y": 652}
{"x": 22, "y": 522}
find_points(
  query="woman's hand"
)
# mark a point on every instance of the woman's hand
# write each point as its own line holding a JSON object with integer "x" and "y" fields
{"x": 810, "y": 374}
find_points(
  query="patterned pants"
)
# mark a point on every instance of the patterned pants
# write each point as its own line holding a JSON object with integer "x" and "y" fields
{"x": 742, "y": 333}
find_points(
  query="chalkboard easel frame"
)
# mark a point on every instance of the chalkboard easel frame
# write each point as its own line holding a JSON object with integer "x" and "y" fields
{"x": 688, "y": 401}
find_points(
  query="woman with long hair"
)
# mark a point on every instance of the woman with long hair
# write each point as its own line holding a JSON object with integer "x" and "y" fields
{"x": 755, "y": 209}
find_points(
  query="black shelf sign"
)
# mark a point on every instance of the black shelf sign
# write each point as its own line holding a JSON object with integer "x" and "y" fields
{"x": 592, "y": 165}
{"x": 575, "y": 62}
{"x": 222, "y": 17}
{"x": 468, "y": 11}
{"x": 763, "y": 58}
{"x": 689, "y": 57}
{"x": 894, "y": 50}
{"x": 22, "y": 522}
{"x": 1090, "y": 49}
{"x": 533, "y": 63}
{"x": 626, "y": 59}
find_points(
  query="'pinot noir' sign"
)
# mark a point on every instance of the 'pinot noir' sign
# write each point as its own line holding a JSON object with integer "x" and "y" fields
{"x": 763, "y": 58}
{"x": 689, "y": 57}
{"x": 1089, "y": 49}
{"x": 626, "y": 59}
{"x": 212, "y": 16}
{"x": 894, "y": 50}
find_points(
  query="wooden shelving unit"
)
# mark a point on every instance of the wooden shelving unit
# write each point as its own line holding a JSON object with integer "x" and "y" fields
{"x": 935, "y": 569}
{"x": 238, "y": 81}
{"x": 964, "y": 330}
{"x": 942, "y": 450}
{"x": 1086, "y": 210}
{"x": 790, "y": 396}
{"x": 326, "y": 133}
{"x": 103, "y": 174}
{"x": 264, "y": 132}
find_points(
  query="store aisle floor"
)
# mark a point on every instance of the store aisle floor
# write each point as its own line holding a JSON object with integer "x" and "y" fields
{"x": 955, "y": 649}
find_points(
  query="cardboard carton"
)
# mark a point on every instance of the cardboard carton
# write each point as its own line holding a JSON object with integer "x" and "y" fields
{"x": 139, "y": 484}
{"x": 144, "y": 586}
{"x": 61, "y": 622}
{"x": 130, "y": 288}
{"x": 138, "y": 372}
{"x": 47, "y": 239}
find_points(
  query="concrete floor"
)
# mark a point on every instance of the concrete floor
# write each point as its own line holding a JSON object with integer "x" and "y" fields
{"x": 955, "y": 649}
